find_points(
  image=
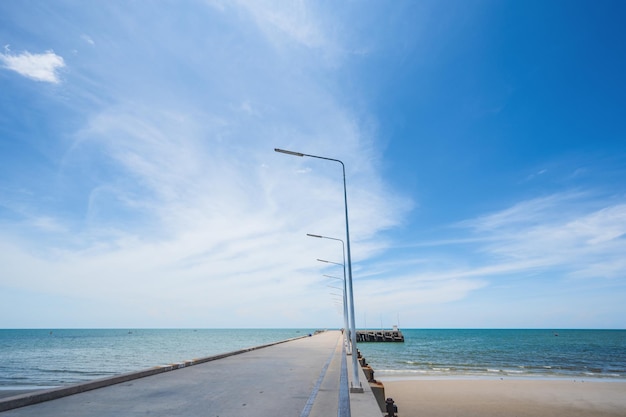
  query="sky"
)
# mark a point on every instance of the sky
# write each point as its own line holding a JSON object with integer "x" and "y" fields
{"x": 484, "y": 145}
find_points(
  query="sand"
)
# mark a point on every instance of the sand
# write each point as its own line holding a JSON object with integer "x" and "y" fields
{"x": 501, "y": 398}
{"x": 508, "y": 397}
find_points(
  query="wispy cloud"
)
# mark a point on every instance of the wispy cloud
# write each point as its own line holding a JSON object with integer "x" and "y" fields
{"x": 39, "y": 67}
{"x": 151, "y": 186}
{"x": 88, "y": 39}
{"x": 294, "y": 20}
{"x": 570, "y": 240}
{"x": 560, "y": 231}
{"x": 178, "y": 196}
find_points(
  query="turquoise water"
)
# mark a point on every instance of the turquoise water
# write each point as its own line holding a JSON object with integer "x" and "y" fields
{"x": 50, "y": 358}
{"x": 501, "y": 353}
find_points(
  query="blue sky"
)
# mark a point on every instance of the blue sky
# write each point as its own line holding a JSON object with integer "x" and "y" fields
{"x": 484, "y": 144}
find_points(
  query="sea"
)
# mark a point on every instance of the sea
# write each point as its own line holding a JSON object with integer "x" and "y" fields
{"x": 494, "y": 353}
{"x": 46, "y": 358}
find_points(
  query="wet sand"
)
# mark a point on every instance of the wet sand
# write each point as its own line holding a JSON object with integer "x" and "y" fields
{"x": 502, "y": 398}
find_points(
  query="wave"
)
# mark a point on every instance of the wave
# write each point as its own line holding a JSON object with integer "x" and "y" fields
{"x": 455, "y": 372}
{"x": 416, "y": 367}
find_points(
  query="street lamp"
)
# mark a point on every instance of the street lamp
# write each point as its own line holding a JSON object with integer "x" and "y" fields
{"x": 330, "y": 276}
{"x": 356, "y": 386}
{"x": 329, "y": 262}
{"x": 345, "y": 309}
{"x": 345, "y": 299}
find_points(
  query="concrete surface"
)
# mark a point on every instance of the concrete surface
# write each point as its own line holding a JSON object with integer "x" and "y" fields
{"x": 296, "y": 378}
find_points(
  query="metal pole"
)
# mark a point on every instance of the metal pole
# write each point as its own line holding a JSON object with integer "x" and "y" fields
{"x": 356, "y": 385}
{"x": 345, "y": 297}
{"x": 346, "y": 327}
{"x": 345, "y": 290}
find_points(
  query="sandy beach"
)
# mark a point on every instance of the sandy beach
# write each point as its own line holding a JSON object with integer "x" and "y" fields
{"x": 508, "y": 397}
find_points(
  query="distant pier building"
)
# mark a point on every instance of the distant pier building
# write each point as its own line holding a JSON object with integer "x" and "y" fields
{"x": 394, "y": 335}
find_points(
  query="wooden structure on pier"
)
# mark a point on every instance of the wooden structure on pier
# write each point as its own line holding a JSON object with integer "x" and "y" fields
{"x": 393, "y": 335}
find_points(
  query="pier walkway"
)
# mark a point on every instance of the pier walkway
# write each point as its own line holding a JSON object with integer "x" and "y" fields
{"x": 300, "y": 377}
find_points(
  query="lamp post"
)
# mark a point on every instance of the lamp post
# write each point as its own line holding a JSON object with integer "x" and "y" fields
{"x": 344, "y": 305}
{"x": 356, "y": 385}
{"x": 345, "y": 300}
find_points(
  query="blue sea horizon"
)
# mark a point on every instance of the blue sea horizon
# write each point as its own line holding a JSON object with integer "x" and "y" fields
{"x": 45, "y": 358}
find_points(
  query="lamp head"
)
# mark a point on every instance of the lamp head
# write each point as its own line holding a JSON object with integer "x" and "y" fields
{"x": 288, "y": 152}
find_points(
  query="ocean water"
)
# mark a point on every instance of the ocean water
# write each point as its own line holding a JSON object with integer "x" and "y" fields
{"x": 51, "y": 358}
{"x": 597, "y": 354}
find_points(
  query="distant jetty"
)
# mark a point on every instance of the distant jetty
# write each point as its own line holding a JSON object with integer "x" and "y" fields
{"x": 394, "y": 335}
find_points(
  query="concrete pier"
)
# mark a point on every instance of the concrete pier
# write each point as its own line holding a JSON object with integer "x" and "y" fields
{"x": 301, "y": 377}
{"x": 394, "y": 335}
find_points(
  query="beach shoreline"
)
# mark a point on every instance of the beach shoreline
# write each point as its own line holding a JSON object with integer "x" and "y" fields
{"x": 460, "y": 377}
{"x": 520, "y": 397}
{"x": 472, "y": 397}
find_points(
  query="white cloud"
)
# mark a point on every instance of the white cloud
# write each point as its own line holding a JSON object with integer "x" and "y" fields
{"x": 527, "y": 213}
{"x": 39, "y": 67}
{"x": 199, "y": 214}
{"x": 559, "y": 231}
{"x": 88, "y": 39}
{"x": 565, "y": 244}
{"x": 182, "y": 201}
{"x": 48, "y": 224}
{"x": 295, "y": 19}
